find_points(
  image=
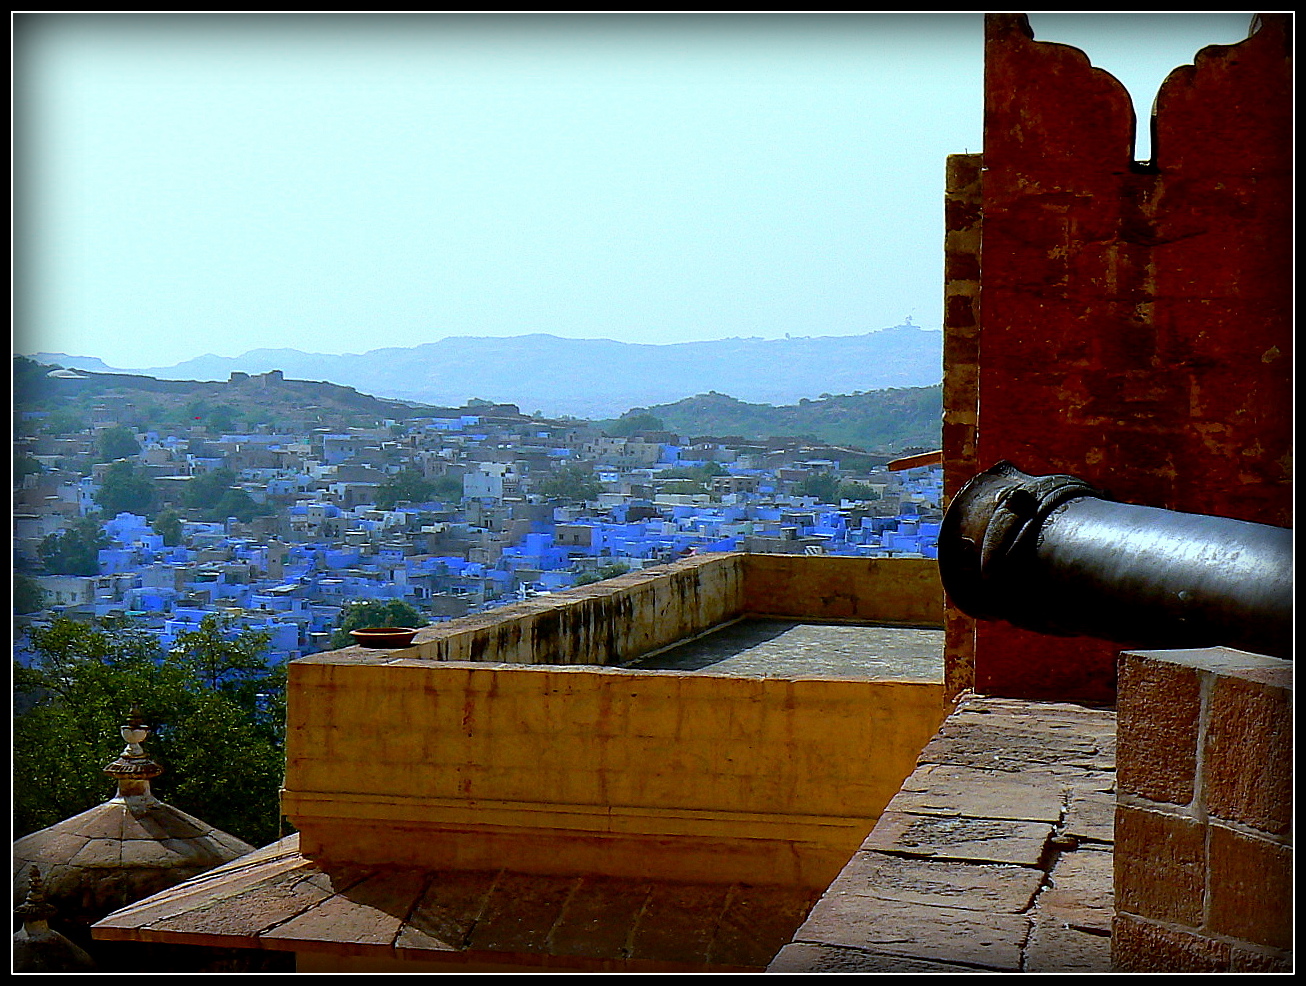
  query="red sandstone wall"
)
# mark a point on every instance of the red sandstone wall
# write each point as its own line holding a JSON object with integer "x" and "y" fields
{"x": 1134, "y": 321}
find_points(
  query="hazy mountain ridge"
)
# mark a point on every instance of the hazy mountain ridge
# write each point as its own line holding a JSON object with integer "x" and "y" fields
{"x": 593, "y": 378}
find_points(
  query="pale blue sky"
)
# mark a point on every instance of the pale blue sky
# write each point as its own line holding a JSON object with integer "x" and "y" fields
{"x": 193, "y": 184}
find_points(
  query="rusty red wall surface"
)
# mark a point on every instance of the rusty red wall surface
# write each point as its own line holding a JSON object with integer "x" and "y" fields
{"x": 1135, "y": 318}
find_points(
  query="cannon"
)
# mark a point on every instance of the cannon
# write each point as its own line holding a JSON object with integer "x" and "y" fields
{"x": 1056, "y": 555}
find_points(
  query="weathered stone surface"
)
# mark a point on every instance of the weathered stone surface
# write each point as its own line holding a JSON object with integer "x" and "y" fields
{"x": 941, "y": 934}
{"x": 986, "y": 840}
{"x": 520, "y": 912}
{"x": 1055, "y": 948}
{"x": 249, "y": 908}
{"x": 337, "y": 920}
{"x": 1248, "y": 758}
{"x": 945, "y": 789}
{"x": 901, "y": 898}
{"x": 803, "y": 957}
{"x": 1091, "y": 817}
{"x": 677, "y": 923}
{"x": 971, "y": 886}
{"x": 1138, "y": 945}
{"x": 988, "y": 745}
{"x": 600, "y": 917}
{"x": 1158, "y": 717}
{"x": 1250, "y": 887}
{"x": 757, "y": 922}
{"x": 1079, "y": 895}
{"x": 783, "y": 648}
{"x": 1161, "y": 862}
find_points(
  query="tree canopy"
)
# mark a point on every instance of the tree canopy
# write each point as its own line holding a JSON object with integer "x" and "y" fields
{"x": 168, "y": 526}
{"x": 601, "y": 574}
{"x": 117, "y": 442}
{"x": 630, "y": 423}
{"x": 823, "y": 486}
{"x": 75, "y": 550}
{"x": 25, "y": 465}
{"x": 123, "y": 489}
{"x": 570, "y": 483}
{"x": 29, "y": 597}
{"x": 408, "y": 486}
{"x": 216, "y": 496}
{"x": 219, "y": 723}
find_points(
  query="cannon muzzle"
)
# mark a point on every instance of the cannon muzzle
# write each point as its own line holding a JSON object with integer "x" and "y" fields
{"x": 1055, "y": 555}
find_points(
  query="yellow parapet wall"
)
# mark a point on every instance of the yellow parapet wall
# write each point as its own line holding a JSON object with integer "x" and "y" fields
{"x": 596, "y": 770}
{"x": 505, "y": 740}
{"x": 894, "y": 591}
{"x": 621, "y": 619}
{"x": 615, "y": 620}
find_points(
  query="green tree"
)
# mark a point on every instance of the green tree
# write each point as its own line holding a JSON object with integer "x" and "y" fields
{"x": 221, "y": 418}
{"x": 408, "y": 486}
{"x": 698, "y": 479}
{"x": 630, "y": 423}
{"x": 117, "y": 442}
{"x": 361, "y": 613}
{"x": 602, "y": 573}
{"x": 204, "y": 491}
{"x": 570, "y": 483}
{"x": 223, "y": 748}
{"x": 29, "y": 597}
{"x": 236, "y": 503}
{"x": 215, "y": 495}
{"x": 125, "y": 489}
{"x": 65, "y": 421}
{"x": 24, "y": 466}
{"x": 168, "y": 524}
{"x": 821, "y": 485}
{"x": 858, "y": 491}
{"x": 222, "y": 659}
{"x": 447, "y": 489}
{"x": 75, "y": 550}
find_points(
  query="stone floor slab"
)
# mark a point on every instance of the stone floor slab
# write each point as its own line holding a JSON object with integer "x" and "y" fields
{"x": 971, "y": 886}
{"x": 1054, "y": 948}
{"x": 937, "y": 934}
{"x": 948, "y": 789}
{"x": 804, "y": 958}
{"x": 982, "y": 840}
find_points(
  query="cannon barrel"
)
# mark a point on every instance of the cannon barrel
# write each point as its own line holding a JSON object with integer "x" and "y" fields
{"x": 1055, "y": 555}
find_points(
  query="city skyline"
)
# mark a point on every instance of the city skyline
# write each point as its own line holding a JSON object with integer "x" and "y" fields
{"x": 215, "y": 183}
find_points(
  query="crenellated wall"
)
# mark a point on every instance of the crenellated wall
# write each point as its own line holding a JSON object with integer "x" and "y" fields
{"x": 1134, "y": 319}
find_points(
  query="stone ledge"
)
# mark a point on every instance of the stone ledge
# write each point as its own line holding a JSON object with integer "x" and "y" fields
{"x": 995, "y": 856}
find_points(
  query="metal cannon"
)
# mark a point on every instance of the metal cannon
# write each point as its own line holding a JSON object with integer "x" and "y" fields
{"x": 1055, "y": 555}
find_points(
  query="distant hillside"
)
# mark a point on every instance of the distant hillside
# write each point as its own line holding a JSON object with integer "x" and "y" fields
{"x": 286, "y": 402}
{"x": 597, "y": 378}
{"x": 882, "y": 420}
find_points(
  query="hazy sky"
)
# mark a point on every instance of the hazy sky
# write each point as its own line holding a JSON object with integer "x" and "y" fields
{"x": 196, "y": 183}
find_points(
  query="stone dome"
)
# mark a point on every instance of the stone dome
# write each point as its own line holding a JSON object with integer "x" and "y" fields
{"x": 127, "y": 848}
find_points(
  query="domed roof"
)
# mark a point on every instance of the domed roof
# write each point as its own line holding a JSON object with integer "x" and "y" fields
{"x": 118, "y": 852}
{"x": 39, "y": 948}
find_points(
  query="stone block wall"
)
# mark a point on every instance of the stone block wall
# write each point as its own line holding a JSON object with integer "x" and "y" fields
{"x": 1203, "y": 831}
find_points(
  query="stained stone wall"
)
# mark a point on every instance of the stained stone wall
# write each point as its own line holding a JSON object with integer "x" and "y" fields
{"x": 1134, "y": 319}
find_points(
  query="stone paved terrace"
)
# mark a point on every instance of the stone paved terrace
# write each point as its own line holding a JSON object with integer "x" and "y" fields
{"x": 996, "y": 855}
{"x": 788, "y": 648}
